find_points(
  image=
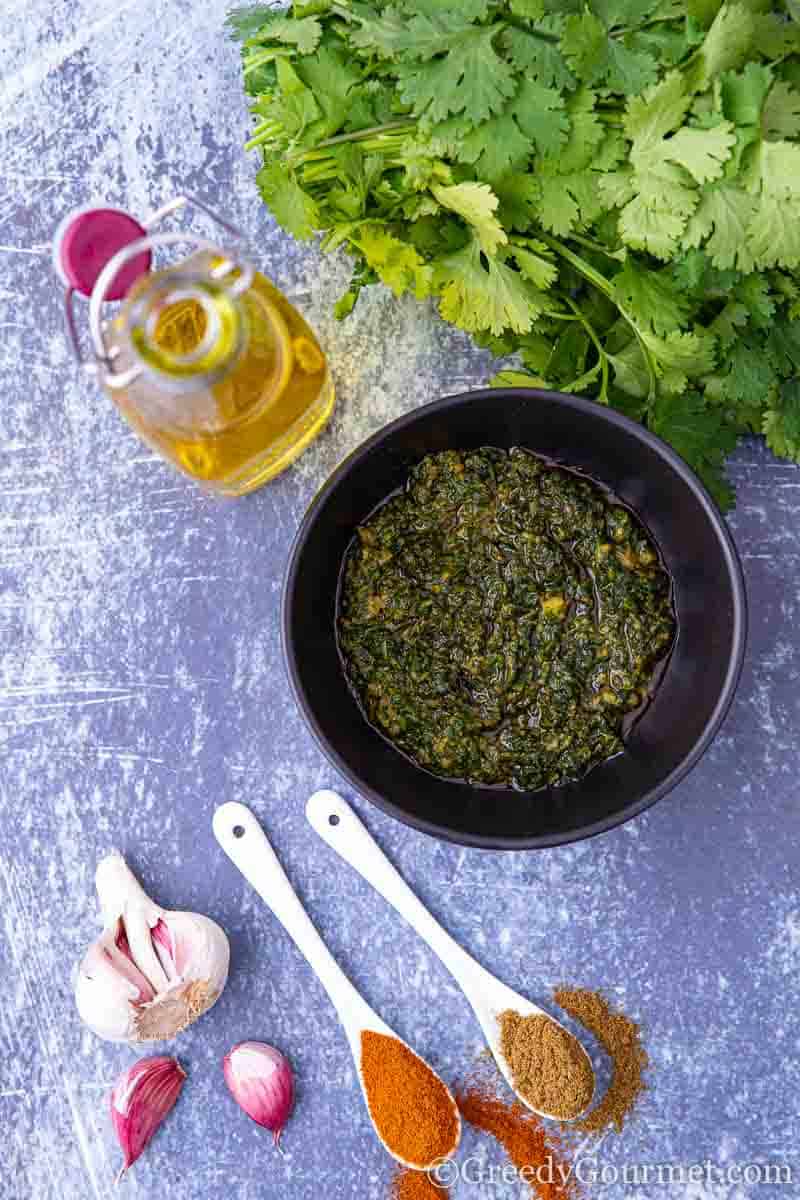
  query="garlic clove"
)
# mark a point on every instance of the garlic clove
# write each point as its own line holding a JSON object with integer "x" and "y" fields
{"x": 123, "y": 898}
{"x": 140, "y": 1100}
{"x": 152, "y": 972}
{"x": 198, "y": 947}
{"x": 108, "y": 989}
{"x": 261, "y": 1082}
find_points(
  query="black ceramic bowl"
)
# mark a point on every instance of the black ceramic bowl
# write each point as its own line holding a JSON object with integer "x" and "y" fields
{"x": 695, "y": 691}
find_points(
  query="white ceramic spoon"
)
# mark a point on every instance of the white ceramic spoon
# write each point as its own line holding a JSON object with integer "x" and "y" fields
{"x": 337, "y": 824}
{"x": 241, "y": 837}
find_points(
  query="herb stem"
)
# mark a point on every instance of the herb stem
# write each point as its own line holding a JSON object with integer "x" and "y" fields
{"x": 602, "y": 284}
{"x": 602, "y": 362}
{"x": 596, "y": 246}
{"x": 359, "y": 135}
{"x": 265, "y": 56}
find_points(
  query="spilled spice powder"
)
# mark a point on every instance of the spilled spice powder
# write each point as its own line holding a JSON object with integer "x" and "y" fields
{"x": 409, "y": 1104}
{"x": 416, "y": 1185}
{"x": 539, "y": 1153}
{"x": 622, "y": 1039}
{"x": 549, "y": 1068}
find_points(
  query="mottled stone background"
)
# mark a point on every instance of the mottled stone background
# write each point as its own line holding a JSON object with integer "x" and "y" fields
{"x": 142, "y": 684}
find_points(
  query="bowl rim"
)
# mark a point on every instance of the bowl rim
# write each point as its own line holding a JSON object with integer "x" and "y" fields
{"x": 580, "y": 405}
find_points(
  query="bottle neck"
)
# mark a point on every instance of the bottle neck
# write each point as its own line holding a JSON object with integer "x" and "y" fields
{"x": 183, "y": 326}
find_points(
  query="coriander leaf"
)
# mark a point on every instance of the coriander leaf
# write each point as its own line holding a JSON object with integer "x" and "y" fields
{"x": 652, "y": 298}
{"x": 700, "y": 434}
{"x": 541, "y": 272}
{"x": 609, "y": 154}
{"x": 679, "y": 355}
{"x": 586, "y": 132}
{"x": 630, "y": 370}
{"x": 702, "y": 12}
{"x": 293, "y": 107}
{"x": 783, "y": 346}
{"x": 330, "y": 76}
{"x": 372, "y": 103}
{"x": 743, "y": 93}
{"x": 656, "y": 217}
{"x": 781, "y": 115}
{"x": 721, "y": 220}
{"x": 471, "y": 78}
{"x": 567, "y": 201}
{"x": 782, "y": 421}
{"x": 477, "y": 204}
{"x": 749, "y": 377}
{"x": 568, "y": 356}
{"x": 702, "y": 152}
{"x": 596, "y": 58}
{"x": 629, "y": 70}
{"x": 617, "y": 187}
{"x": 726, "y": 45}
{"x": 519, "y": 199}
{"x": 482, "y": 293}
{"x": 690, "y": 271}
{"x": 396, "y": 263}
{"x": 774, "y": 37}
{"x": 584, "y": 45}
{"x": 471, "y": 10}
{"x": 776, "y": 169}
{"x": 614, "y": 13}
{"x": 529, "y": 10}
{"x": 535, "y": 57}
{"x": 539, "y": 112}
{"x": 754, "y": 293}
{"x": 727, "y": 325}
{"x": 304, "y": 34}
{"x": 493, "y": 147}
{"x": 773, "y": 235}
{"x": 667, "y": 44}
{"x": 535, "y": 351}
{"x": 649, "y": 117}
{"x": 391, "y": 33}
{"x": 292, "y": 207}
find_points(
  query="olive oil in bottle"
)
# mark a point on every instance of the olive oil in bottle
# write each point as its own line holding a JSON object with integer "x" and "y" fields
{"x": 207, "y": 360}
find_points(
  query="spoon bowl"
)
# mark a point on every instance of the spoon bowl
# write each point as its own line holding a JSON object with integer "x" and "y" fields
{"x": 240, "y": 835}
{"x": 337, "y": 824}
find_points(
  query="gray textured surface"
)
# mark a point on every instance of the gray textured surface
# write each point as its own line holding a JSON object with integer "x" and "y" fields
{"x": 142, "y": 684}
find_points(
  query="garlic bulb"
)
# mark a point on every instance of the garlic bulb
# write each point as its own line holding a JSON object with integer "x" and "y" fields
{"x": 151, "y": 972}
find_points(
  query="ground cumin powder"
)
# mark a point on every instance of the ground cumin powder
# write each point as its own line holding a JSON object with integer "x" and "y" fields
{"x": 550, "y": 1070}
{"x": 410, "y": 1105}
{"x": 539, "y": 1156}
{"x": 621, "y": 1038}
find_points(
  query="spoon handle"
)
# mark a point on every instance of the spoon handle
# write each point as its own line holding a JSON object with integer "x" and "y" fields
{"x": 241, "y": 837}
{"x": 337, "y": 824}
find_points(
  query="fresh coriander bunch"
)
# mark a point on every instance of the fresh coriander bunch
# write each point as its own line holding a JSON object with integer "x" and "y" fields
{"x": 609, "y": 190}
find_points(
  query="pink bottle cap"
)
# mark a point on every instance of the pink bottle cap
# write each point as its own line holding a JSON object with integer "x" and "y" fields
{"x": 85, "y": 241}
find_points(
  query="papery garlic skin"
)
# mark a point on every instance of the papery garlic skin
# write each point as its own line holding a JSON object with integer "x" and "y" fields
{"x": 151, "y": 972}
{"x": 261, "y": 1082}
{"x": 140, "y": 1100}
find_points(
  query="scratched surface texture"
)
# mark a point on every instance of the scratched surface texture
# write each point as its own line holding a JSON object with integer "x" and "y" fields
{"x": 141, "y": 684}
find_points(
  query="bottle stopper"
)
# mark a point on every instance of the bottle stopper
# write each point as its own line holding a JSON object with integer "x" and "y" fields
{"x": 87, "y": 239}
